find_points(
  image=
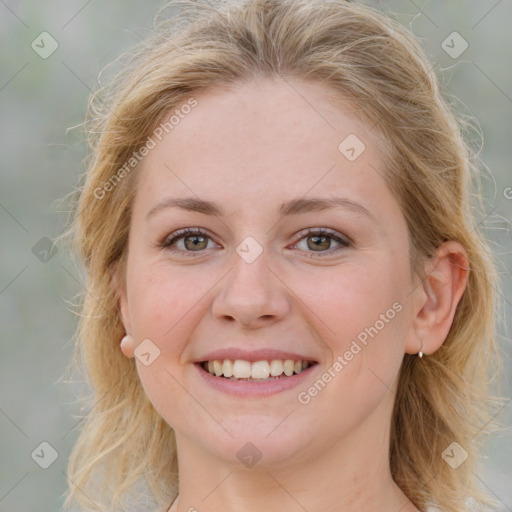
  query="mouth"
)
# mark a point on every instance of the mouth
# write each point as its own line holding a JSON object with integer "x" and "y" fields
{"x": 255, "y": 371}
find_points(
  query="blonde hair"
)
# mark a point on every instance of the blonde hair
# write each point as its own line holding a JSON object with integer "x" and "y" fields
{"x": 378, "y": 66}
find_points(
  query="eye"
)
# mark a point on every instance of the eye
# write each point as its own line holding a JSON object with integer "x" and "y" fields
{"x": 319, "y": 241}
{"x": 194, "y": 240}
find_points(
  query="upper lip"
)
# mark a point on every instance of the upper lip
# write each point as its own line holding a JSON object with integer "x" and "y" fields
{"x": 252, "y": 355}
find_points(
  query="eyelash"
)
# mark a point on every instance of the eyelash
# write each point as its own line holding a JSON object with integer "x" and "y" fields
{"x": 344, "y": 242}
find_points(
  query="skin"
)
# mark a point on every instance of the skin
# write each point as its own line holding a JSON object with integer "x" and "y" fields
{"x": 249, "y": 148}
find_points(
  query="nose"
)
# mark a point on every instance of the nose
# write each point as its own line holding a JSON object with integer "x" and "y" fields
{"x": 251, "y": 294}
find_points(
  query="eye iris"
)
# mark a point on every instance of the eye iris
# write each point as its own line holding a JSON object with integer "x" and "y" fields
{"x": 316, "y": 245}
{"x": 195, "y": 244}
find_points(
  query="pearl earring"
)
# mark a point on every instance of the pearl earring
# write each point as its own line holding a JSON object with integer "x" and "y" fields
{"x": 127, "y": 345}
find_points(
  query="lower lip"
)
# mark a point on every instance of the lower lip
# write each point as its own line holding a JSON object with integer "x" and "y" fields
{"x": 254, "y": 388}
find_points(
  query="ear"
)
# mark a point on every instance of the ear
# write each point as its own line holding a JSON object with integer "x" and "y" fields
{"x": 127, "y": 343}
{"x": 439, "y": 294}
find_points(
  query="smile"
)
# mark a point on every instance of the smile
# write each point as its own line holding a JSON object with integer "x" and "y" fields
{"x": 256, "y": 379}
{"x": 240, "y": 369}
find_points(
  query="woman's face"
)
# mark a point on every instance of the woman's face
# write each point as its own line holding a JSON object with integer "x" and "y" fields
{"x": 255, "y": 167}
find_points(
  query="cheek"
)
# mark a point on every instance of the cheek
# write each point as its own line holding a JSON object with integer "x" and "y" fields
{"x": 346, "y": 303}
{"x": 362, "y": 319}
{"x": 163, "y": 300}
{"x": 363, "y": 323}
{"x": 164, "y": 388}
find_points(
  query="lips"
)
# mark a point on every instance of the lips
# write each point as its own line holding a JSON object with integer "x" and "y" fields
{"x": 254, "y": 388}
{"x": 252, "y": 356}
{"x": 254, "y": 373}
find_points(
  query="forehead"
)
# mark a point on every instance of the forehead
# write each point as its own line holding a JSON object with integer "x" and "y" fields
{"x": 262, "y": 142}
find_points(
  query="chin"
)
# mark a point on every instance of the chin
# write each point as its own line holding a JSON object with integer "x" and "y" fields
{"x": 260, "y": 441}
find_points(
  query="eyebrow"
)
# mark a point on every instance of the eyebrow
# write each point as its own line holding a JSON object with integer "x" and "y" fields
{"x": 292, "y": 207}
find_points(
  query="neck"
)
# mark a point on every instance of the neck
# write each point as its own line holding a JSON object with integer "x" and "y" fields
{"x": 350, "y": 476}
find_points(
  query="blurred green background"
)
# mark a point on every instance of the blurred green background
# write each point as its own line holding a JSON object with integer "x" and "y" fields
{"x": 41, "y": 96}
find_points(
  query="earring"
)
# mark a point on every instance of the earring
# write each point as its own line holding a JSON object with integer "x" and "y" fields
{"x": 126, "y": 340}
{"x": 127, "y": 345}
{"x": 420, "y": 353}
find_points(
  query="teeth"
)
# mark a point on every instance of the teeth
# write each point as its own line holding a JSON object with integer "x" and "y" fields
{"x": 240, "y": 369}
{"x": 288, "y": 367}
{"x": 217, "y": 368}
{"x": 227, "y": 368}
{"x": 260, "y": 370}
{"x": 276, "y": 367}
